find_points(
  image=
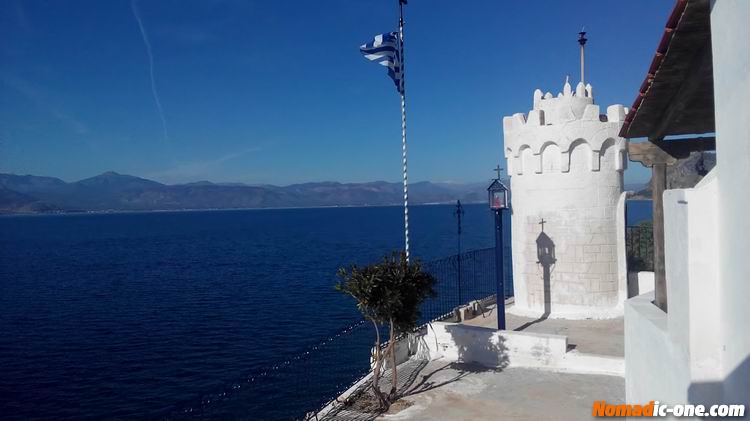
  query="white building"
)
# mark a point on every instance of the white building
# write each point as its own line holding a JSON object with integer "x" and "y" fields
{"x": 565, "y": 162}
{"x": 699, "y": 350}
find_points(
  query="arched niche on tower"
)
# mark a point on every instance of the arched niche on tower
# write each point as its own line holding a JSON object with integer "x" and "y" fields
{"x": 578, "y": 157}
{"x": 608, "y": 156}
{"x": 525, "y": 160}
{"x": 550, "y": 157}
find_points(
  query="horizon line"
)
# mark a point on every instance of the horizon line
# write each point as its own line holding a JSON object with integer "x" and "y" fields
{"x": 248, "y": 184}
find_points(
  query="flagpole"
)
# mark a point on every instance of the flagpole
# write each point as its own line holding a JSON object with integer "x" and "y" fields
{"x": 403, "y": 125}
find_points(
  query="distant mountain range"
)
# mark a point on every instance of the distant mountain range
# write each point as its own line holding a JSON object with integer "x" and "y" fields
{"x": 685, "y": 174}
{"x": 118, "y": 192}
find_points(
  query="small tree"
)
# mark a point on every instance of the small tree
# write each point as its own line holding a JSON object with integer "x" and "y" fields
{"x": 388, "y": 293}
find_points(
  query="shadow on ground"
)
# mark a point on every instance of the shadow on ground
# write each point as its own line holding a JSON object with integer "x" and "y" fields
{"x": 417, "y": 375}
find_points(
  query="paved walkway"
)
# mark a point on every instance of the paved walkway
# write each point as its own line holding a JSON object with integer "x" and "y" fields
{"x": 444, "y": 391}
{"x": 438, "y": 389}
{"x": 601, "y": 337}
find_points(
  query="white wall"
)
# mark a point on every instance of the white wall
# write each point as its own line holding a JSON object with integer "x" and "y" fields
{"x": 654, "y": 370}
{"x": 730, "y": 33}
{"x": 621, "y": 219}
{"x": 700, "y": 351}
{"x": 667, "y": 354}
{"x": 640, "y": 283}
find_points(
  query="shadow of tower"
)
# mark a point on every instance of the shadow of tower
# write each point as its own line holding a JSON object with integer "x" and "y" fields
{"x": 545, "y": 253}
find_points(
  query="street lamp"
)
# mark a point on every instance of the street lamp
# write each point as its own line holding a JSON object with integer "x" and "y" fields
{"x": 498, "y": 195}
{"x": 498, "y": 200}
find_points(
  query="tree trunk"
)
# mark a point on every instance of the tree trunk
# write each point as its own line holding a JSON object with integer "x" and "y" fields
{"x": 394, "y": 372}
{"x": 377, "y": 368}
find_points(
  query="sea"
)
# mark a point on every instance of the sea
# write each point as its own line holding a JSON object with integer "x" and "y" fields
{"x": 131, "y": 315}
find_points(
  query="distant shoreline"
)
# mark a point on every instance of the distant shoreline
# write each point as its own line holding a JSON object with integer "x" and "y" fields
{"x": 125, "y": 211}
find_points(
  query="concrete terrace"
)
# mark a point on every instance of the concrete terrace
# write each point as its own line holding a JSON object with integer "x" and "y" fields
{"x": 599, "y": 337}
{"x": 457, "y": 391}
{"x": 581, "y": 361}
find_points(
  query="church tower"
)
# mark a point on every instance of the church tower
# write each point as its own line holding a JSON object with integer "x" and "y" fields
{"x": 565, "y": 161}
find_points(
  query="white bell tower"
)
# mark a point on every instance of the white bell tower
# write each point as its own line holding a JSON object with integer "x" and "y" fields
{"x": 566, "y": 162}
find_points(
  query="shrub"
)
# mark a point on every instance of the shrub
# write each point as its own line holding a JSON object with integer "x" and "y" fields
{"x": 388, "y": 293}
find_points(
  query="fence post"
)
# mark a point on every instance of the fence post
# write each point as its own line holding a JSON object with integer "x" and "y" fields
{"x": 460, "y": 298}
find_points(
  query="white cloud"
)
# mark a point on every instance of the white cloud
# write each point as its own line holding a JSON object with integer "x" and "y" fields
{"x": 154, "y": 92}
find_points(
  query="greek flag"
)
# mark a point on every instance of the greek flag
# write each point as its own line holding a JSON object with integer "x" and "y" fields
{"x": 386, "y": 50}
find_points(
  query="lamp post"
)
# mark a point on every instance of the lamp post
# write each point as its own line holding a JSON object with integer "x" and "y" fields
{"x": 498, "y": 201}
{"x": 459, "y": 213}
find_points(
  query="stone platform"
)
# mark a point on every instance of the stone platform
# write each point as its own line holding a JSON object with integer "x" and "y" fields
{"x": 454, "y": 391}
{"x": 598, "y": 337}
{"x": 540, "y": 369}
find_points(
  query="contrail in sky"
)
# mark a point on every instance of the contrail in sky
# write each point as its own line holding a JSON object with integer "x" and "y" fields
{"x": 151, "y": 68}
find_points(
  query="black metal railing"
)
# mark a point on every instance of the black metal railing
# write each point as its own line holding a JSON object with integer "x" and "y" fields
{"x": 319, "y": 373}
{"x": 463, "y": 278}
{"x": 639, "y": 243}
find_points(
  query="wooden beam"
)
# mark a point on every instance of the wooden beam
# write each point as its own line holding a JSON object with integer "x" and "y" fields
{"x": 688, "y": 87}
{"x": 649, "y": 153}
{"x": 652, "y": 155}
{"x": 668, "y": 151}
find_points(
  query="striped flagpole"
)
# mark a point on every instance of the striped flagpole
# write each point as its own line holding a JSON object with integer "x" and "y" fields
{"x": 403, "y": 125}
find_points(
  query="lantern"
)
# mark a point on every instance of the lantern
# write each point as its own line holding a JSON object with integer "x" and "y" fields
{"x": 498, "y": 195}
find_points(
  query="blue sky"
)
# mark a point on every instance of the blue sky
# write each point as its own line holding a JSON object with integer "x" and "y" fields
{"x": 277, "y": 91}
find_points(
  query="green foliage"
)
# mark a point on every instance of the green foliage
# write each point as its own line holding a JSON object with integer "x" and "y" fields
{"x": 391, "y": 290}
{"x": 388, "y": 293}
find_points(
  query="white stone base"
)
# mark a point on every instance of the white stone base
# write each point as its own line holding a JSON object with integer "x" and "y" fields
{"x": 492, "y": 348}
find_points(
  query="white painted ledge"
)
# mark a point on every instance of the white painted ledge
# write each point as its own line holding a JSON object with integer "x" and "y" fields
{"x": 492, "y": 348}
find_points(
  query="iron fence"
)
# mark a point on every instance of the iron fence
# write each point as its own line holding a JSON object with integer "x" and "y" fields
{"x": 463, "y": 278}
{"x": 639, "y": 243}
{"x": 316, "y": 375}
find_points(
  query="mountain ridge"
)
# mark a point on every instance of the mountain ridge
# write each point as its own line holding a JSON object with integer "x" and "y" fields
{"x": 111, "y": 191}
{"x": 685, "y": 174}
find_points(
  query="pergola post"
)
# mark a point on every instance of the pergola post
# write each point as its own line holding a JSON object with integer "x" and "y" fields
{"x": 658, "y": 185}
{"x": 657, "y": 155}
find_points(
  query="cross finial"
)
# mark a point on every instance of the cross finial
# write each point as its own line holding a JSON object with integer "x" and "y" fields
{"x": 497, "y": 170}
{"x": 542, "y": 222}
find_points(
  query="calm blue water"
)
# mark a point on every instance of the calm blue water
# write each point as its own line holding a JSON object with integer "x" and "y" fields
{"x": 125, "y": 315}
{"x": 638, "y": 211}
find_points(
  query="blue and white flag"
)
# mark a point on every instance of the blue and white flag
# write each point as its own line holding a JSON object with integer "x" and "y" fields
{"x": 386, "y": 50}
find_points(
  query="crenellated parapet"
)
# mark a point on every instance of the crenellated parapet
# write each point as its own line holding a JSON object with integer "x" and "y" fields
{"x": 556, "y": 126}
